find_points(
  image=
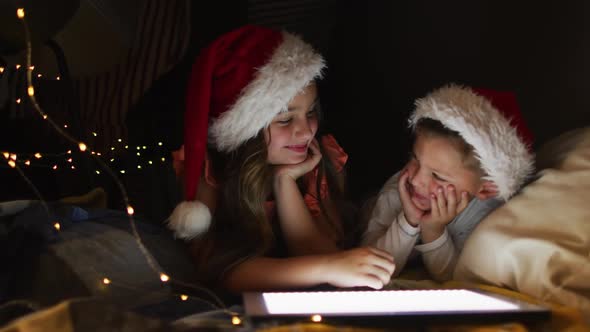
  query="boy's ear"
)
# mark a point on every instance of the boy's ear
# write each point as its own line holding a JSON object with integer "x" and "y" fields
{"x": 488, "y": 189}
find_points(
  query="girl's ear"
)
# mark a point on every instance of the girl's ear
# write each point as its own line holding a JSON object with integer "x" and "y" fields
{"x": 488, "y": 189}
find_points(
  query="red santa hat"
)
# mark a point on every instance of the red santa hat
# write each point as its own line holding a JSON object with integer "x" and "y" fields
{"x": 239, "y": 83}
{"x": 491, "y": 122}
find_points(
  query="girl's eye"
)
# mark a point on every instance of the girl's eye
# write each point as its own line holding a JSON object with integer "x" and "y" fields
{"x": 312, "y": 114}
{"x": 438, "y": 177}
{"x": 284, "y": 122}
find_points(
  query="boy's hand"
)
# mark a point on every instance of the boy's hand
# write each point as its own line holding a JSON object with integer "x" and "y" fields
{"x": 295, "y": 171}
{"x": 411, "y": 211}
{"x": 444, "y": 207}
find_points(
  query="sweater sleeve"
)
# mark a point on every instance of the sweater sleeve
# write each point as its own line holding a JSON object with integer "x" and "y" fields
{"x": 387, "y": 227}
{"x": 439, "y": 257}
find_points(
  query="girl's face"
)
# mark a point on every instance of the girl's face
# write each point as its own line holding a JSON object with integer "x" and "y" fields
{"x": 290, "y": 133}
{"x": 437, "y": 162}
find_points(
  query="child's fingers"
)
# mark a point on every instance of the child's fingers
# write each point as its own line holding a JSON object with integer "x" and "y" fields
{"x": 434, "y": 211}
{"x": 452, "y": 200}
{"x": 314, "y": 146}
{"x": 463, "y": 202}
{"x": 402, "y": 186}
{"x": 441, "y": 200}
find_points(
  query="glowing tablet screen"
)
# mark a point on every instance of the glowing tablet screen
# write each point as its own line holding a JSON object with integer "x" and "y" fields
{"x": 362, "y": 302}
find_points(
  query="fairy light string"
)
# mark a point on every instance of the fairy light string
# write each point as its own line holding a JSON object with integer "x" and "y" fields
{"x": 165, "y": 278}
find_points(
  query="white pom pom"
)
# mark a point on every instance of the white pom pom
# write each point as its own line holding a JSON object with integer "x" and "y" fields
{"x": 190, "y": 219}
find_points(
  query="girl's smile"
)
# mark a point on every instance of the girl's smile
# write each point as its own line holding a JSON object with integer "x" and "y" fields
{"x": 298, "y": 148}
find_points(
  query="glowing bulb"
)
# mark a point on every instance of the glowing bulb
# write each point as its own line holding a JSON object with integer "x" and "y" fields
{"x": 38, "y": 155}
{"x": 164, "y": 277}
{"x": 54, "y": 167}
{"x": 57, "y": 78}
{"x": 1, "y": 70}
{"x": 39, "y": 75}
{"x": 112, "y": 148}
{"x": 144, "y": 147}
{"x": 94, "y": 134}
{"x": 31, "y": 91}
{"x": 82, "y": 146}
{"x": 98, "y": 154}
{"x": 150, "y": 162}
{"x": 139, "y": 154}
{"x": 18, "y": 101}
{"x": 97, "y": 172}
{"x": 106, "y": 281}
{"x": 122, "y": 171}
{"x": 119, "y": 140}
{"x": 32, "y": 67}
{"x": 69, "y": 160}
{"x": 112, "y": 159}
{"x": 163, "y": 159}
{"x": 65, "y": 126}
{"x": 20, "y": 13}
{"x": 73, "y": 167}
{"x": 57, "y": 226}
{"x": 139, "y": 147}
{"x": 138, "y": 166}
{"x": 28, "y": 163}
{"x": 11, "y": 163}
{"x": 184, "y": 297}
{"x": 44, "y": 116}
{"x": 130, "y": 210}
{"x": 6, "y": 155}
{"x": 160, "y": 143}
{"x": 69, "y": 151}
{"x": 17, "y": 66}
{"x": 13, "y": 156}
{"x": 236, "y": 320}
{"x": 316, "y": 318}
{"x": 126, "y": 146}
{"x": 92, "y": 153}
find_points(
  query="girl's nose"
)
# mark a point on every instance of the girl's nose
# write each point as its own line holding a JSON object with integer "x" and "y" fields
{"x": 302, "y": 129}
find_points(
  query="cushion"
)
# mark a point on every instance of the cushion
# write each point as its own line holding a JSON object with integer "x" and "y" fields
{"x": 538, "y": 243}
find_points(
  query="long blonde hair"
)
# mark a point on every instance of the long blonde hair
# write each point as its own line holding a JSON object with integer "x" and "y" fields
{"x": 240, "y": 226}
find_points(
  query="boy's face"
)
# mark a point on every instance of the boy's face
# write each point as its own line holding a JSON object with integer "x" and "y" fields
{"x": 437, "y": 163}
{"x": 290, "y": 133}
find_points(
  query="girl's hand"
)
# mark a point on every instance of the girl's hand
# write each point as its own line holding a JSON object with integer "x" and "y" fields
{"x": 411, "y": 211}
{"x": 295, "y": 171}
{"x": 444, "y": 207}
{"x": 359, "y": 267}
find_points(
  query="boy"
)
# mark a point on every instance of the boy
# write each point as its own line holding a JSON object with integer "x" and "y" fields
{"x": 467, "y": 159}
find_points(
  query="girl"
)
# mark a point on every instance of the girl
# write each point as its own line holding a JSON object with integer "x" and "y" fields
{"x": 262, "y": 193}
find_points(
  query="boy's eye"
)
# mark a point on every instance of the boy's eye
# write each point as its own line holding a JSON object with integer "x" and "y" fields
{"x": 312, "y": 113}
{"x": 438, "y": 177}
{"x": 284, "y": 121}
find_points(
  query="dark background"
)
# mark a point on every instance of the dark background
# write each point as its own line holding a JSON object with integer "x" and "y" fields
{"x": 381, "y": 56}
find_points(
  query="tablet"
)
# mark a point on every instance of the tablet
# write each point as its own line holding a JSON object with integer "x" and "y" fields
{"x": 387, "y": 307}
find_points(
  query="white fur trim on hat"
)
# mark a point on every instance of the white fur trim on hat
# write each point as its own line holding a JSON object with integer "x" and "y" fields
{"x": 291, "y": 67}
{"x": 503, "y": 156}
{"x": 189, "y": 219}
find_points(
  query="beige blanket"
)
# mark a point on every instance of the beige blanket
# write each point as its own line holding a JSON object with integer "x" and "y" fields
{"x": 539, "y": 242}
